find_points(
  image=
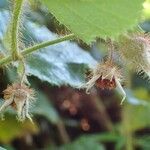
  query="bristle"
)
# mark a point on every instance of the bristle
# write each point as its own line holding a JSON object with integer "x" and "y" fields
{"x": 135, "y": 51}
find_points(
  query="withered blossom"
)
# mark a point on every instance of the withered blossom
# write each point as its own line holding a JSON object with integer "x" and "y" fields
{"x": 106, "y": 75}
{"x": 19, "y": 96}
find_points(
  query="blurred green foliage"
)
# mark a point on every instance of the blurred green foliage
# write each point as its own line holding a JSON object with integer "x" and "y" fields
{"x": 10, "y": 128}
{"x": 147, "y": 9}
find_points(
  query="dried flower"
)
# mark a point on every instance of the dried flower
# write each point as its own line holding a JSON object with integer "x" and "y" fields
{"x": 135, "y": 51}
{"x": 19, "y": 96}
{"x": 106, "y": 76}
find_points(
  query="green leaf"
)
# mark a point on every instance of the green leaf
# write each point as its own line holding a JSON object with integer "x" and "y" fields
{"x": 4, "y": 4}
{"x": 83, "y": 143}
{"x": 61, "y": 64}
{"x": 2, "y": 148}
{"x": 44, "y": 107}
{"x": 147, "y": 9}
{"x": 10, "y": 128}
{"x": 136, "y": 117}
{"x": 93, "y": 141}
{"x": 89, "y": 19}
{"x": 4, "y": 17}
{"x": 143, "y": 142}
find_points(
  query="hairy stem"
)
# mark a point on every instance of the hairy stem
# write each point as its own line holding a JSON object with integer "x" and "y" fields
{"x": 47, "y": 43}
{"x": 16, "y": 17}
{"x": 29, "y": 50}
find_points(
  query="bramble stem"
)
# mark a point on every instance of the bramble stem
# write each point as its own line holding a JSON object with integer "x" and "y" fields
{"x": 29, "y": 50}
{"x": 16, "y": 17}
{"x": 47, "y": 43}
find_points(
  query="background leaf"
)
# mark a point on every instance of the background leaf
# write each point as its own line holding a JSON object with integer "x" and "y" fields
{"x": 44, "y": 108}
{"x": 7, "y": 133}
{"x": 89, "y": 19}
{"x": 61, "y": 64}
{"x": 137, "y": 115}
{"x": 143, "y": 142}
{"x": 83, "y": 143}
{"x": 2, "y": 148}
